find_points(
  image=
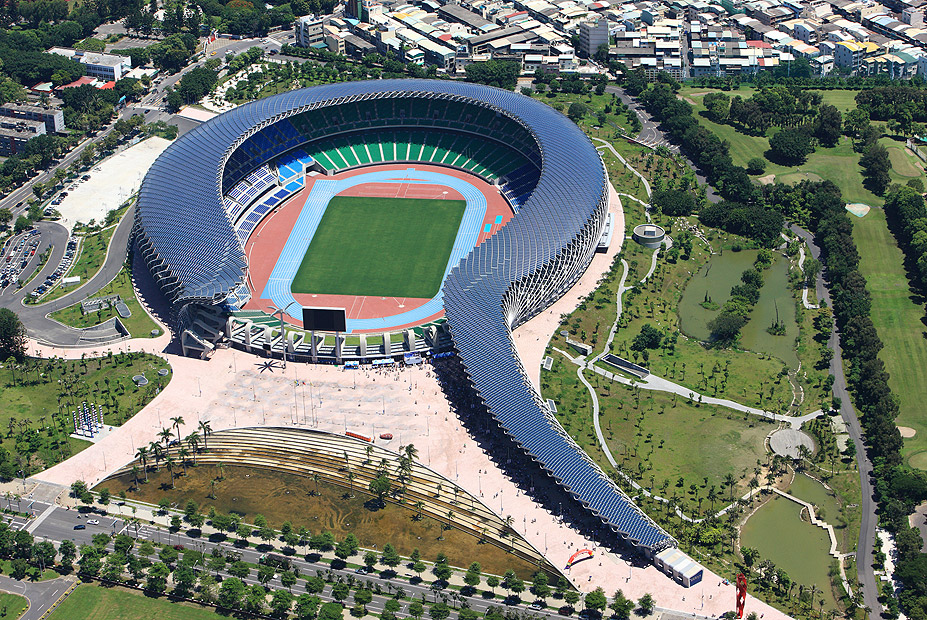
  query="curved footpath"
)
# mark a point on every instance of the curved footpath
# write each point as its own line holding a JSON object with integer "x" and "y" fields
{"x": 868, "y": 518}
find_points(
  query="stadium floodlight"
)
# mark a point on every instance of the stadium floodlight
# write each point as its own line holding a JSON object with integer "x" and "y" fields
{"x": 275, "y": 311}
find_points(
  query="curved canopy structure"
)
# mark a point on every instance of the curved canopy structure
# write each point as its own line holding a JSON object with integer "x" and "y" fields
{"x": 185, "y": 233}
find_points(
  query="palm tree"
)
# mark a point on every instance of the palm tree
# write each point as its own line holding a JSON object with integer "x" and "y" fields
{"x": 170, "y": 467}
{"x": 315, "y": 478}
{"x": 193, "y": 440}
{"x": 419, "y": 508}
{"x": 207, "y": 429}
{"x": 730, "y": 481}
{"x": 411, "y": 452}
{"x": 158, "y": 452}
{"x": 177, "y": 422}
{"x": 165, "y": 436}
{"x": 183, "y": 453}
{"x": 142, "y": 456}
{"x": 351, "y": 482}
{"x": 135, "y": 475}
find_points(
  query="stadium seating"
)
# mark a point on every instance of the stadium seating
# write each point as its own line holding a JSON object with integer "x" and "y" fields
{"x": 478, "y": 155}
{"x": 291, "y": 165}
{"x": 409, "y": 113}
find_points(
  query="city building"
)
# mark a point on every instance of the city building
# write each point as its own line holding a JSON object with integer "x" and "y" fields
{"x": 309, "y": 31}
{"x": 52, "y": 118}
{"x": 16, "y": 132}
{"x": 103, "y": 66}
{"x": 592, "y": 34}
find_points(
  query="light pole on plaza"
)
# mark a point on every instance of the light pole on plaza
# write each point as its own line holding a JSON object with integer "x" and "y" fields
{"x": 275, "y": 311}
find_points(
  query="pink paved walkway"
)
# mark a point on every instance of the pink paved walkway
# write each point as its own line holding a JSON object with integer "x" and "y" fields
{"x": 234, "y": 389}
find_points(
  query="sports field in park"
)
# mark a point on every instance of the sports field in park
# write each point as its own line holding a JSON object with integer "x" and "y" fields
{"x": 384, "y": 247}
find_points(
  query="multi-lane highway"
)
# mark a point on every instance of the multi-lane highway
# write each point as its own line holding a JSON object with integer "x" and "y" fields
{"x": 56, "y": 524}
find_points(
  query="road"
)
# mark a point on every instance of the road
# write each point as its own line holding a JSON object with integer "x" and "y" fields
{"x": 41, "y": 594}
{"x": 56, "y": 524}
{"x": 868, "y": 519}
{"x": 651, "y": 135}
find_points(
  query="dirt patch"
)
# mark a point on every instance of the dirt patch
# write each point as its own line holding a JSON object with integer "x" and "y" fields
{"x": 769, "y": 179}
{"x": 907, "y": 432}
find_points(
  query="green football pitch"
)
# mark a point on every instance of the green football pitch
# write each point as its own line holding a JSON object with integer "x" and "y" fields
{"x": 385, "y": 247}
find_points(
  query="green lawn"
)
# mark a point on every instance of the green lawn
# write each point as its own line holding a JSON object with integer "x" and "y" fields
{"x": 94, "y": 602}
{"x": 839, "y": 164}
{"x": 140, "y": 325}
{"x": 37, "y": 396}
{"x": 898, "y": 320}
{"x": 396, "y": 247}
{"x": 12, "y": 605}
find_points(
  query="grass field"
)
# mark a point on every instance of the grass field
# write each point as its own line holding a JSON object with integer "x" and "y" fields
{"x": 12, "y": 605}
{"x": 140, "y": 325}
{"x": 839, "y": 164}
{"x": 249, "y": 491}
{"x": 94, "y": 602}
{"x": 897, "y": 314}
{"x": 395, "y": 247}
{"x": 35, "y": 399}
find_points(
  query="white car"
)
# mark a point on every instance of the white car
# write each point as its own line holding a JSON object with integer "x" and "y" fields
{"x": 93, "y": 522}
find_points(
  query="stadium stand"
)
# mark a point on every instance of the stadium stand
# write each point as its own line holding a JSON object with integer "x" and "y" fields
{"x": 198, "y": 260}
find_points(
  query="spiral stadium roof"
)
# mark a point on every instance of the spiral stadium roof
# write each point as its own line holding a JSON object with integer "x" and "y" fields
{"x": 192, "y": 251}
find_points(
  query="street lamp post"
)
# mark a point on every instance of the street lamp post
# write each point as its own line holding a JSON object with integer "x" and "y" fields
{"x": 275, "y": 311}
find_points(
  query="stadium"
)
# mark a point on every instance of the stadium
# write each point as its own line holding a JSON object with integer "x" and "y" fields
{"x": 308, "y": 200}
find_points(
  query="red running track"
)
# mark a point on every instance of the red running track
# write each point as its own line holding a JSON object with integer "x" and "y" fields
{"x": 265, "y": 244}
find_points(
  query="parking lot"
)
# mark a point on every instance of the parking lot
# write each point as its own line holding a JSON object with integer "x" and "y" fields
{"x": 17, "y": 254}
{"x": 63, "y": 266}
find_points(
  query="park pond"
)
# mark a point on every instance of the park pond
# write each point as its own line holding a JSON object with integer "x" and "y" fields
{"x": 714, "y": 282}
{"x": 780, "y": 534}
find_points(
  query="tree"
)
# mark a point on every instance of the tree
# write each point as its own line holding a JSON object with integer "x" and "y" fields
{"x": 673, "y": 202}
{"x": 439, "y": 611}
{"x": 596, "y": 600}
{"x": 493, "y": 582}
{"x": 726, "y": 327}
{"x": 230, "y": 593}
{"x": 280, "y": 603}
{"x": 876, "y": 165}
{"x": 472, "y": 577}
{"x": 12, "y": 336}
{"x": 340, "y": 591}
{"x": 157, "y": 578}
{"x": 330, "y": 611}
{"x": 827, "y": 126}
{"x": 380, "y": 486}
{"x": 500, "y": 73}
{"x": 790, "y": 147}
{"x": 307, "y": 606}
{"x": 6, "y": 216}
{"x": 347, "y": 547}
{"x": 648, "y": 338}
{"x": 571, "y": 597}
{"x": 621, "y": 606}
{"x": 576, "y": 111}
{"x": 756, "y": 165}
{"x": 390, "y": 557}
{"x": 750, "y": 555}
{"x": 68, "y": 551}
{"x": 416, "y": 609}
{"x": 646, "y": 604}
